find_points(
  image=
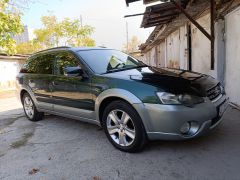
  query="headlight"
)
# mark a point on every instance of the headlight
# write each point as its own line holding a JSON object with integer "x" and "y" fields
{"x": 222, "y": 89}
{"x": 168, "y": 98}
{"x": 185, "y": 99}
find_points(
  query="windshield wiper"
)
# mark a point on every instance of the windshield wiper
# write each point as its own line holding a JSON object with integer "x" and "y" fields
{"x": 124, "y": 69}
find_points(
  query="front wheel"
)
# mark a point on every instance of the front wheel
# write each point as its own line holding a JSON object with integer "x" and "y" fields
{"x": 30, "y": 109}
{"x": 123, "y": 127}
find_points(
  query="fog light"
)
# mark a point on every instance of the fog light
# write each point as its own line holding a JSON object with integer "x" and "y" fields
{"x": 194, "y": 128}
{"x": 185, "y": 128}
{"x": 189, "y": 128}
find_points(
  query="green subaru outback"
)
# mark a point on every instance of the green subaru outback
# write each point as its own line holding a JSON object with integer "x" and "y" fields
{"x": 133, "y": 102}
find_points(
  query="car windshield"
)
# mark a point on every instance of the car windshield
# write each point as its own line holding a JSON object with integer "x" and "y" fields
{"x": 108, "y": 60}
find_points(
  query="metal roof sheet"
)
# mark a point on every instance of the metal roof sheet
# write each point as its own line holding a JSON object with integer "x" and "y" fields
{"x": 161, "y": 14}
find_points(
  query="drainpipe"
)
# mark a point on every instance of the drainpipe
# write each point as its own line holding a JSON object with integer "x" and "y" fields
{"x": 220, "y": 50}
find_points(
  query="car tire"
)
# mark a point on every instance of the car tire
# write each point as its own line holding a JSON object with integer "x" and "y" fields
{"x": 30, "y": 109}
{"x": 123, "y": 127}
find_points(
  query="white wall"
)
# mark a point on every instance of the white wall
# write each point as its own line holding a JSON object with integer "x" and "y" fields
{"x": 173, "y": 47}
{"x": 8, "y": 72}
{"x": 201, "y": 55}
{"x": 152, "y": 60}
{"x": 162, "y": 54}
{"x": 232, "y": 72}
{"x": 176, "y": 49}
{"x": 183, "y": 47}
{"x": 145, "y": 58}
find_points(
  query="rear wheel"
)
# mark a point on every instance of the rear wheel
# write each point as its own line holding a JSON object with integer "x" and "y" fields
{"x": 30, "y": 109}
{"x": 123, "y": 127}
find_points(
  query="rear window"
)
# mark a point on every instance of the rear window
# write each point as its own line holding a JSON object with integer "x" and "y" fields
{"x": 41, "y": 64}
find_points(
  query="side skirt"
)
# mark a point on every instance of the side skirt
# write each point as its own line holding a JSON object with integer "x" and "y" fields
{"x": 83, "y": 119}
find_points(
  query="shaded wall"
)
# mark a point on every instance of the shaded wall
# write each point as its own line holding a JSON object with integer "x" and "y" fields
{"x": 8, "y": 72}
{"x": 232, "y": 68}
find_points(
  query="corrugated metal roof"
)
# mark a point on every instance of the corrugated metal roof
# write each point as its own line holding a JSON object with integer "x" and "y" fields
{"x": 162, "y": 31}
{"x": 149, "y": 1}
{"x": 161, "y": 14}
{"x": 130, "y": 1}
{"x": 144, "y": 1}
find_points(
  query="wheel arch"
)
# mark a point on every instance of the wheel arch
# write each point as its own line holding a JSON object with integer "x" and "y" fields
{"x": 111, "y": 95}
{"x": 26, "y": 90}
{"x": 22, "y": 92}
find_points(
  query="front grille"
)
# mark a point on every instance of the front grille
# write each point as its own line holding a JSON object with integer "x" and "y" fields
{"x": 214, "y": 92}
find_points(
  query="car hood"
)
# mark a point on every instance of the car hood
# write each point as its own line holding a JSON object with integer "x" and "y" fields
{"x": 175, "y": 81}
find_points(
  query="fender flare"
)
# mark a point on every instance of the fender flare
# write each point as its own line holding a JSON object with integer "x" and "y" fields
{"x": 115, "y": 92}
{"x": 30, "y": 92}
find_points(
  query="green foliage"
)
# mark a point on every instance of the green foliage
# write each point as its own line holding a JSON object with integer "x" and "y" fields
{"x": 56, "y": 33}
{"x": 28, "y": 47}
{"x": 67, "y": 32}
{"x": 51, "y": 32}
{"x": 10, "y": 24}
{"x": 76, "y": 34}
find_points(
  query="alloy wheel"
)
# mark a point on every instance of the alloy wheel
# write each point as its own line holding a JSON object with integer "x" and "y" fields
{"x": 121, "y": 127}
{"x": 28, "y": 106}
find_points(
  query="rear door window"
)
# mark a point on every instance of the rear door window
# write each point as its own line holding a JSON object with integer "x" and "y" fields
{"x": 42, "y": 64}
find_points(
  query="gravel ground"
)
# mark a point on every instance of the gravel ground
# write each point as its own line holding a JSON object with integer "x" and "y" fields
{"x": 61, "y": 148}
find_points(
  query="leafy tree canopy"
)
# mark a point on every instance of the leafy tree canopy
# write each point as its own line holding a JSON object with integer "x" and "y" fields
{"x": 58, "y": 33}
{"x": 10, "y": 25}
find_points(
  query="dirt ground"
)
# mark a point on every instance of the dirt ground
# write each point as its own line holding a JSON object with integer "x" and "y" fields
{"x": 61, "y": 148}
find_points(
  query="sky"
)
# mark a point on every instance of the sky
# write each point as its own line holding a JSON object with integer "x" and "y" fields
{"x": 106, "y": 16}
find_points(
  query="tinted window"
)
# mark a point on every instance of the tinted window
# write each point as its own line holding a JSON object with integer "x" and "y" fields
{"x": 102, "y": 61}
{"x": 65, "y": 60}
{"x": 41, "y": 64}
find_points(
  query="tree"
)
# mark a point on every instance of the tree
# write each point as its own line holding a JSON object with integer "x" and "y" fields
{"x": 57, "y": 33}
{"x": 76, "y": 34}
{"x": 10, "y": 25}
{"x": 132, "y": 45}
{"x": 51, "y": 32}
{"x": 28, "y": 47}
{"x": 65, "y": 32}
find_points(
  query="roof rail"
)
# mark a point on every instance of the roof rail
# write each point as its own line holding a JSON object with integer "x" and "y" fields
{"x": 59, "y": 47}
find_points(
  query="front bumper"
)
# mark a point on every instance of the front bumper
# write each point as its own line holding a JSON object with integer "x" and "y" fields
{"x": 165, "y": 121}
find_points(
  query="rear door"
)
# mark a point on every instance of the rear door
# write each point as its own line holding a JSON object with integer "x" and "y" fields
{"x": 39, "y": 78}
{"x": 72, "y": 95}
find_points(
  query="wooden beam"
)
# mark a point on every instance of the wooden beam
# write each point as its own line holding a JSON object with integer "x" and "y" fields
{"x": 132, "y": 15}
{"x": 212, "y": 14}
{"x": 155, "y": 24}
{"x": 156, "y": 16}
{"x": 192, "y": 20}
{"x": 159, "y": 20}
{"x": 209, "y": 36}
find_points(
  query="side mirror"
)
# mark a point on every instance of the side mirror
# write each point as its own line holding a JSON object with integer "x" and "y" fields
{"x": 23, "y": 70}
{"x": 73, "y": 71}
